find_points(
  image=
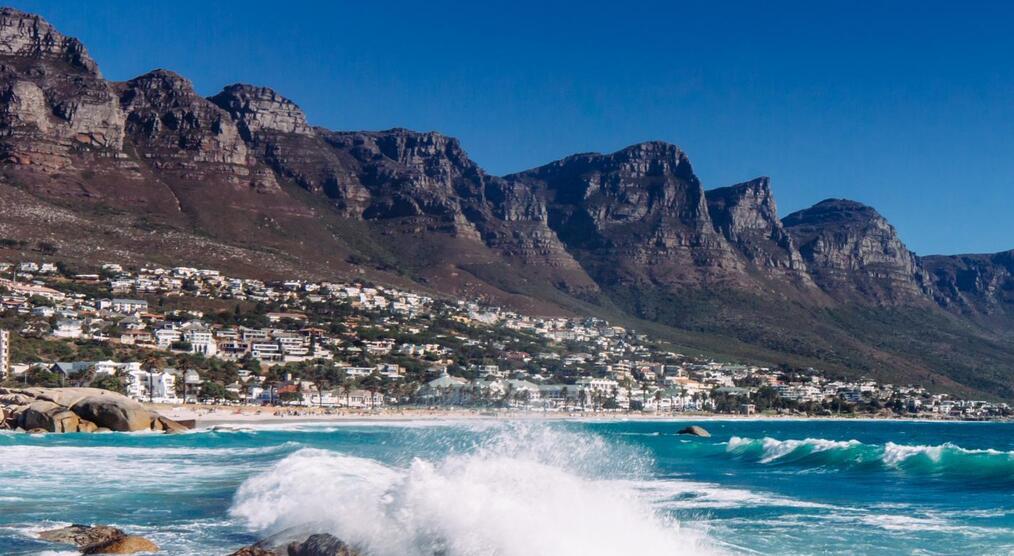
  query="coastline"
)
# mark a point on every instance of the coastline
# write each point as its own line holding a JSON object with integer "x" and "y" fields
{"x": 206, "y": 416}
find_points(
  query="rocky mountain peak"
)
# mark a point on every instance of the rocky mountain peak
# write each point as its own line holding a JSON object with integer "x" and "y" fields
{"x": 851, "y": 249}
{"x": 54, "y": 101}
{"x": 177, "y": 128}
{"x": 743, "y": 206}
{"x": 643, "y": 205}
{"x": 422, "y": 149}
{"x": 30, "y": 36}
{"x": 746, "y": 215}
{"x": 260, "y": 109}
{"x": 162, "y": 86}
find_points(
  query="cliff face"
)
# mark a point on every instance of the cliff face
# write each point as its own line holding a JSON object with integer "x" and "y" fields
{"x": 148, "y": 170}
{"x": 175, "y": 130}
{"x": 55, "y": 104}
{"x": 275, "y": 130}
{"x": 415, "y": 183}
{"x": 974, "y": 284}
{"x": 635, "y": 216}
{"x": 853, "y": 253}
{"x": 746, "y": 215}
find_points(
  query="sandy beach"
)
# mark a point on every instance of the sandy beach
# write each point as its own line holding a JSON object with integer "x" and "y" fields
{"x": 215, "y": 415}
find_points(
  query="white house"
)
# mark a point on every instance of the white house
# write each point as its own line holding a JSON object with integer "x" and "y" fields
{"x": 68, "y": 329}
{"x": 201, "y": 341}
{"x": 156, "y": 386}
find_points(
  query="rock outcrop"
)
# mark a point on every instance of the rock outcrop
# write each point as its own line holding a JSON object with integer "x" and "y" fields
{"x": 54, "y": 104}
{"x": 78, "y": 410}
{"x": 82, "y": 535}
{"x": 275, "y": 130}
{"x": 746, "y": 215}
{"x": 129, "y": 544}
{"x": 322, "y": 544}
{"x": 99, "y": 539}
{"x": 176, "y": 130}
{"x": 317, "y": 544}
{"x": 694, "y": 430}
{"x": 976, "y": 285}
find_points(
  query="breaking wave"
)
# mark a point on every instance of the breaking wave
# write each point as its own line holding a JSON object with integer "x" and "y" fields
{"x": 946, "y": 461}
{"x": 521, "y": 491}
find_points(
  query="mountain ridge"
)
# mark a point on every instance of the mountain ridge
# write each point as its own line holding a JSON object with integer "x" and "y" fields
{"x": 147, "y": 169}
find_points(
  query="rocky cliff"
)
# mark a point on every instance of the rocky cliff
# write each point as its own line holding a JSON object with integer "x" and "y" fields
{"x": 148, "y": 170}
{"x": 746, "y": 215}
{"x": 852, "y": 252}
{"x": 977, "y": 285}
{"x": 637, "y": 216}
{"x": 55, "y": 104}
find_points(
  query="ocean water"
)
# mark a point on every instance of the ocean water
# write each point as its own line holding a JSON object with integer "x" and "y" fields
{"x": 529, "y": 488}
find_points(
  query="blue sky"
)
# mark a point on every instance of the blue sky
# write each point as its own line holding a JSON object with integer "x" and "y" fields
{"x": 906, "y": 106}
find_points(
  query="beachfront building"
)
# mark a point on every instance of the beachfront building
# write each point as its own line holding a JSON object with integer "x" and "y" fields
{"x": 154, "y": 386}
{"x": 363, "y": 399}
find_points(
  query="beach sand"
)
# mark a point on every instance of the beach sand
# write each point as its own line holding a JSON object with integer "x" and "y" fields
{"x": 215, "y": 415}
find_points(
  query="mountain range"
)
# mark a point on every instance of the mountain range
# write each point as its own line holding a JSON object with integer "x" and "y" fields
{"x": 148, "y": 170}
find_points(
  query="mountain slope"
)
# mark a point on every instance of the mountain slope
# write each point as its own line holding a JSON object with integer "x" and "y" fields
{"x": 149, "y": 171}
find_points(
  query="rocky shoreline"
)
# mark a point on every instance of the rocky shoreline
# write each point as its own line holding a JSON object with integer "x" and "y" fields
{"x": 65, "y": 410}
{"x": 104, "y": 539}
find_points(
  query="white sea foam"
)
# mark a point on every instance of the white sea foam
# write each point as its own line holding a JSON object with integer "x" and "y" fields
{"x": 679, "y": 494}
{"x": 537, "y": 492}
{"x": 897, "y": 453}
{"x": 774, "y": 449}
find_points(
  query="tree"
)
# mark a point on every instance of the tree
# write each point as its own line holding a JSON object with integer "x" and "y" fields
{"x": 109, "y": 382}
{"x": 215, "y": 391}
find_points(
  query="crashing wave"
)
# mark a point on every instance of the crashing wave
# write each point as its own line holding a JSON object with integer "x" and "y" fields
{"x": 944, "y": 460}
{"x": 522, "y": 492}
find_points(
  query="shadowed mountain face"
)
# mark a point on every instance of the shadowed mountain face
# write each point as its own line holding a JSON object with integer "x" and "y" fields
{"x": 148, "y": 170}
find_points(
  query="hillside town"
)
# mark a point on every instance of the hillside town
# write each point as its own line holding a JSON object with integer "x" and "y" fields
{"x": 188, "y": 335}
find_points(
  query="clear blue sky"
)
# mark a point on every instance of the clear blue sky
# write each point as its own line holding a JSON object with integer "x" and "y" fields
{"x": 906, "y": 106}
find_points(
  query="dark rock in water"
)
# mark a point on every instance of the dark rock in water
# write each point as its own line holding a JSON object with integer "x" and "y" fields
{"x": 254, "y": 551}
{"x": 322, "y": 544}
{"x": 83, "y": 535}
{"x": 694, "y": 430}
{"x": 318, "y": 544}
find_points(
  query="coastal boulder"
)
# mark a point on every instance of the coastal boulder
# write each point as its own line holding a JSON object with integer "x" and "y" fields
{"x": 83, "y": 535}
{"x": 694, "y": 430}
{"x": 129, "y": 544}
{"x": 322, "y": 544}
{"x": 49, "y": 416}
{"x": 83, "y": 425}
{"x": 288, "y": 543}
{"x": 164, "y": 424}
{"x": 118, "y": 414}
{"x": 77, "y": 410}
{"x": 254, "y": 551}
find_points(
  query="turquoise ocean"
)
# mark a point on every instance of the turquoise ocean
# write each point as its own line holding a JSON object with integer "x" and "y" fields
{"x": 522, "y": 488}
